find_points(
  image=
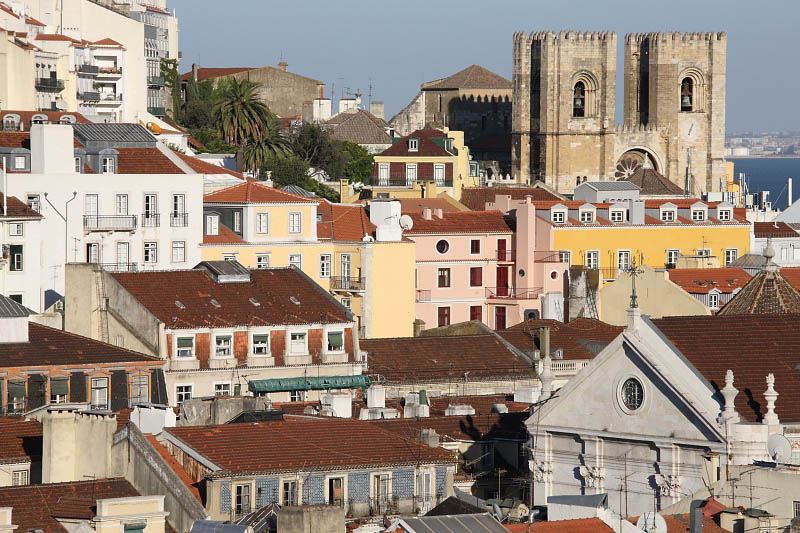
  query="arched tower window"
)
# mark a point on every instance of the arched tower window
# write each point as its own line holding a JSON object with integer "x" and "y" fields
{"x": 687, "y": 94}
{"x": 579, "y": 100}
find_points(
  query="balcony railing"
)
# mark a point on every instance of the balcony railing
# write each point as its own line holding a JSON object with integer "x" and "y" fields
{"x": 120, "y": 267}
{"x": 546, "y": 256}
{"x": 423, "y": 296}
{"x": 90, "y": 96}
{"x": 88, "y": 69}
{"x": 155, "y": 80}
{"x": 513, "y": 293}
{"x": 157, "y": 111}
{"x": 344, "y": 283}
{"x": 152, "y": 220}
{"x": 506, "y": 255}
{"x": 50, "y": 84}
{"x": 109, "y": 222}
{"x": 179, "y": 220}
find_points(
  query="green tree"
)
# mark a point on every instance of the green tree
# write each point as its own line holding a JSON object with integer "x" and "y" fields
{"x": 359, "y": 162}
{"x": 240, "y": 116}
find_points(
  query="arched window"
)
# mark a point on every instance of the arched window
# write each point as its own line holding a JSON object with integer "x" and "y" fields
{"x": 579, "y": 100}
{"x": 687, "y": 94}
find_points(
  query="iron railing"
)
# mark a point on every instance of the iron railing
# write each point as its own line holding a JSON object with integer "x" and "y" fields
{"x": 345, "y": 283}
{"x": 109, "y": 222}
{"x": 179, "y": 220}
{"x": 513, "y": 293}
{"x": 152, "y": 220}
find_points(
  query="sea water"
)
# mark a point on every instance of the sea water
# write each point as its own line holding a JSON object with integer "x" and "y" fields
{"x": 770, "y": 174}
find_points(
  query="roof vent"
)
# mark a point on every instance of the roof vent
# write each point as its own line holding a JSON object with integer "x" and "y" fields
{"x": 179, "y": 305}
{"x": 215, "y": 303}
{"x": 254, "y": 302}
{"x": 294, "y": 300}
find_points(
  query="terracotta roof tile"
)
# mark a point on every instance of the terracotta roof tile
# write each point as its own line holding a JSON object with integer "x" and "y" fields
{"x": 472, "y": 77}
{"x": 750, "y": 345}
{"x": 17, "y": 208}
{"x": 52, "y": 347}
{"x": 39, "y": 506}
{"x": 342, "y": 222}
{"x": 460, "y": 222}
{"x": 763, "y": 230}
{"x": 476, "y": 198}
{"x": 426, "y": 148}
{"x": 271, "y": 288}
{"x": 251, "y": 192}
{"x": 443, "y": 359}
{"x": 20, "y": 440}
{"x": 214, "y": 72}
{"x": 582, "y": 338}
{"x": 296, "y": 442}
{"x": 703, "y": 280}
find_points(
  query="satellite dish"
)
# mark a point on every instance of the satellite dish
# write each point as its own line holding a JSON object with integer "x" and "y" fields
{"x": 779, "y": 448}
{"x": 406, "y": 222}
{"x": 652, "y": 523}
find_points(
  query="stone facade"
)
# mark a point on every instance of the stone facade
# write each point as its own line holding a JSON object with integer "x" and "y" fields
{"x": 564, "y": 96}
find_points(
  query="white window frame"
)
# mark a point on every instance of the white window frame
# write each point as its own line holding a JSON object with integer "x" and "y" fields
{"x": 179, "y": 246}
{"x": 558, "y": 216}
{"x": 181, "y": 395}
{"x": 154, "y": 249}
{"x": 292, "y": 347}
{"x": 15, "y": 229}
{"x": 295, "y": 222}
{"x": 698, "y": 215}
{"x": 262, "y": 261}
{"x": 219, "y": 387}
{"x": 177, "y": 350}
{"x": 262, "y": 223}
{"x": 735, "y": 254}
{"x": 216, "y": 348}
{"x": 325, "y": 265}
{"x": 212, "y": 224}
{"x": 592, "y": 264}
{"x": 616, "y": 215}
{"x": 296, "y": 260}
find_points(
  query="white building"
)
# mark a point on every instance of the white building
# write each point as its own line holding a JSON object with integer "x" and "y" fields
{"x": 110, "y": 194}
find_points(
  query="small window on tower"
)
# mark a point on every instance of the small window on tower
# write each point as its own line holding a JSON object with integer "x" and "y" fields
{"x": 579, "y": 100}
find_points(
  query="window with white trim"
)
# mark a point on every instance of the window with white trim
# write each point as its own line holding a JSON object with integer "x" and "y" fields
{"x": 222, "y": 389}
{"x": 178, "y": 251}
{"x": 151, "y": 252}
{"x": 182, "y": 393}
{"x": 260, "y": 343}
{"x": 617, "y": 215}
{"x": 295, "y": 224}
{"x": 731, "y": 255}
{"x": 325, "y": 265}
{"x": 262, "y": 261}
{"x": 262, "y": 223}
{"x": 15, "y": 229}
{"x": 298, "y": 343}
{"x": 185, "y": 347}
{"x": 698, "y": 215}
{"x": 296, "y": 260}
{"x": 223, "y": 345}
{"x": 713, "y": 300}
{"x": 558, "y": 217}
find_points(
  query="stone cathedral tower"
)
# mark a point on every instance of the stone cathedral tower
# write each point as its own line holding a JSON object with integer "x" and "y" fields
{"x": 564, "y": 103}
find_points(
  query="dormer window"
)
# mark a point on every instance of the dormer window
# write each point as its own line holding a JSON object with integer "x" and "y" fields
{"x": 617, "y": 215}
{"x": 724, "y": 215}
{"x": 587, "y": 216}
{"x": 413, "y": 145}
{"x": 558, "y": 217}
{"x": 667, "y": 215}
{"x": 698, "y": 215}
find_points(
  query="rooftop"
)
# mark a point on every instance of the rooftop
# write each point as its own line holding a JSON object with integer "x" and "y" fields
{"x": 251, "y": 192}
{"x": 444, "y": 359}
{"x": 704, "y": 280}
{"x": 20, "y": 440}
{"x": 275, "y": 291}
{"x": 472, "y": 77}
{"x": 297, "y": 442}
{"x": 459, "y": 222}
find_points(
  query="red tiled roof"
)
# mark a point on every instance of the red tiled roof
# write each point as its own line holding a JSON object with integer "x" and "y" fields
{"x": 443, "y": 359}
{"x": 226, "y": 236}
{"x": 580, "y": 339}
{"x": 175, "y": 466}
{"x": 750, "y": 345}
{"x": 214, "y": 72}
{"x": 416, "y": 205}
{"x": 19, "y": 440}
{"x": 460, "y": 222}
{"x": 426, "y": 148}
{"x": 271, "y": 288}
{"x": 53, "y": 347}
{"x": 17, "y": 208}
{"x": 703, "y": 280}
{"x": 295, "y": 442}
{"x": 144, "y": 161}
{"x": 251, "y": 192}
{"x": 342, "y": 222}
{"x": 765, "y": 230}
{"x": 39, "y": 506}
{"x": 204, "y": 167}
{"x": 476, "y": 198}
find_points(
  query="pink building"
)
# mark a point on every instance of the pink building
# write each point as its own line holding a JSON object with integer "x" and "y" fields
{"x": 480, "y": 265}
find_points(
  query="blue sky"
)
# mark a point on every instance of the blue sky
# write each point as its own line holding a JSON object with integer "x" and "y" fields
{"x": 395, "y": 46}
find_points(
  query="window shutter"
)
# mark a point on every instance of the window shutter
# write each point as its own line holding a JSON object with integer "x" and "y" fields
{"x": 119, "y": 390}
{"x": 77, "y": 387}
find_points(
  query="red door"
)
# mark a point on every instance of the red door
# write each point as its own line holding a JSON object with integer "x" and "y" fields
{"x": 502, "y": 281}
{"x": 501, "y": 250}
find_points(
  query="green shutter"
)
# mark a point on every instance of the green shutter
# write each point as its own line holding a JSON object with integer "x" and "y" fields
{"x": 185, "y": 342}
{"x": 336, "y": 340}
{"x": 58, "y": 386}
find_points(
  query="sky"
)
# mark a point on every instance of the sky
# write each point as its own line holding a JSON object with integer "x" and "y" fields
{"x": 395, "y": 46}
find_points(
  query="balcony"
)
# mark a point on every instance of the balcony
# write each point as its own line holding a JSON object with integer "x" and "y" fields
{"x": 151, "y": 220}
{"x": 345, "y": 283}
{"x": 546, "y": 256}
{"x": 506, "y": 256}
{"x": 157, "y": 111}
{"x": 88, "y": 69}
{"x": 179, "y": 220}
{"x": 120, "y": 267}
{"x": 91, "y": 96}
{"x": 513, "y": 293}
{"x": 155, "y": 80}
{"x": 423, "y": 296}
{"x": 109, "y": 223}
{"x": 49, "y": 84}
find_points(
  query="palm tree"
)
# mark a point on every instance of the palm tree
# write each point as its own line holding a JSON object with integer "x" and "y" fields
{"x": 240, "y": 116}
{"x": 269, "y": 144}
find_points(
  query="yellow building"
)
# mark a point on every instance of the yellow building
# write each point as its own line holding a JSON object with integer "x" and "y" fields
{"x": 425, "y": 163}
{"x": 611, "y": 236}
{"x": 369, "y": 271}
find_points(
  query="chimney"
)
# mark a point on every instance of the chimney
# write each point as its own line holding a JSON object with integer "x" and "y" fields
{"x": 426, "y": 213}
{"x": 194, "y": 71}
{"x": 696, "y": 516}
{"x": 376, "y": 108}
{"x": 283, "y": 65}
{"x": 52, "y": 149}
{"x": 438, "y": 212}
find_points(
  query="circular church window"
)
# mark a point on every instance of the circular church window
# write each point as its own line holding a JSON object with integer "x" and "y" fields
{"x": 632, "y": 394}
{"x": 442, "y": 246}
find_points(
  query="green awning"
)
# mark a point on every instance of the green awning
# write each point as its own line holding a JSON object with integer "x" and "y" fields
{"x": 312, "y": 383}
{"x": 58, "y": 386}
